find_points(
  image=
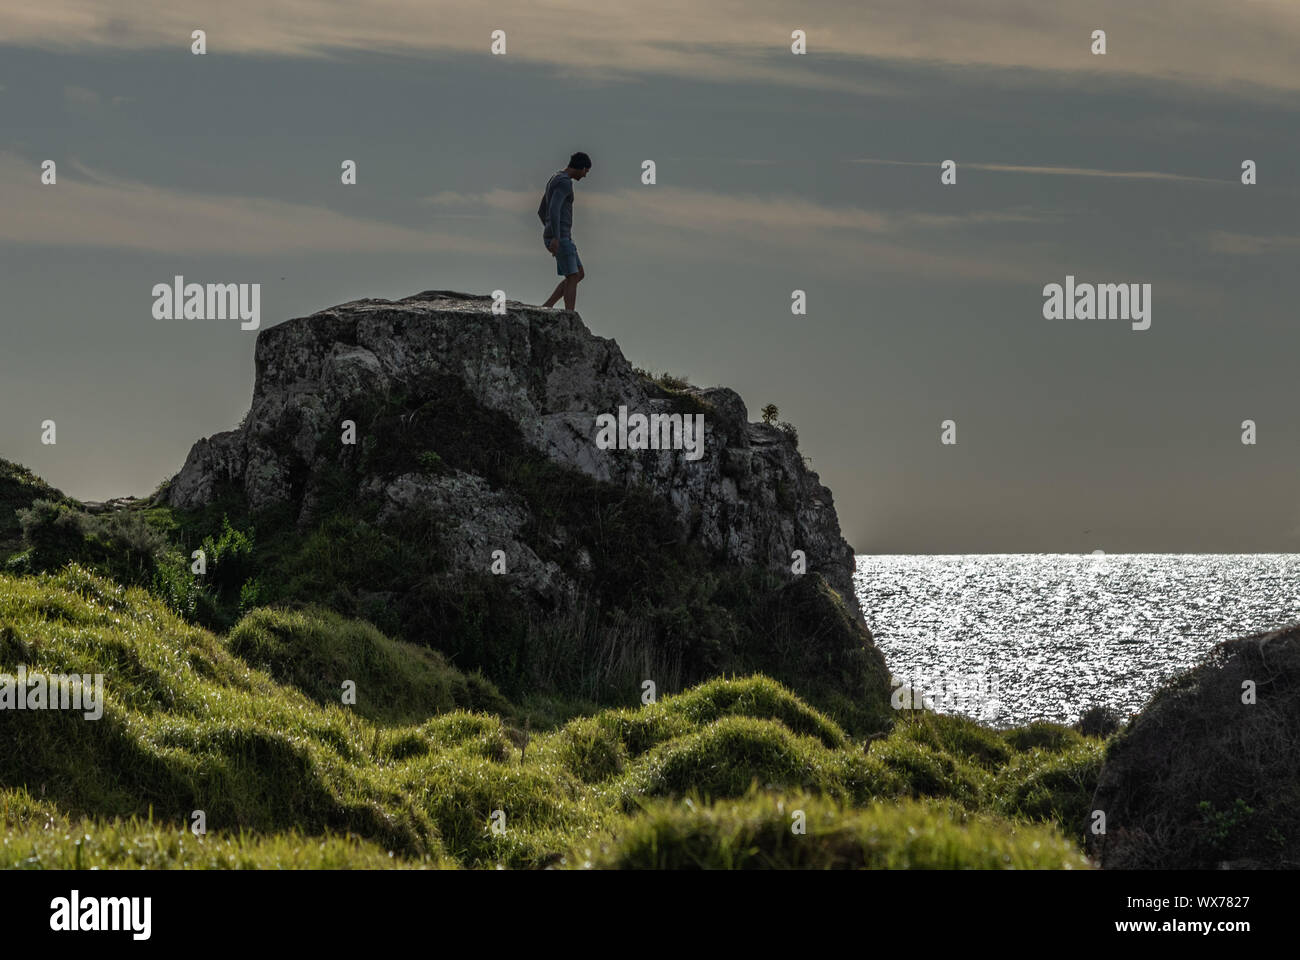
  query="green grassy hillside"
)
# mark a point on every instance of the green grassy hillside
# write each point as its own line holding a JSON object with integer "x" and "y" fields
{"x": 431, "y": 767}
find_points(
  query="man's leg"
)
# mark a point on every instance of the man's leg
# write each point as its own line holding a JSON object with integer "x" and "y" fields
{"x": 571, "y": 286}
{"x": 568, "y": 264}
{"x": 558, "y": 292}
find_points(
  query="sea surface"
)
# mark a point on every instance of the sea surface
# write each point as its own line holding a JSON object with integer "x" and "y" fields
{"x": 1010, "y": 638}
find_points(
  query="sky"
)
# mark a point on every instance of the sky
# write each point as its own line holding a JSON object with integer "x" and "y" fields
{"x": 775, "y": 172}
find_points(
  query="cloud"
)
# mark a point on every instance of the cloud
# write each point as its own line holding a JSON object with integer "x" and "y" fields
{"x": 80, "y": 96}
{"x": 91, "y": 209}
{"x": 88, "y": 208}
{"x": 1206, "y": 43}
{"x": 1248, "y": 245}
{"x": 1054, "y": 171}
{"x": 849, "y": 236}
{"x": 706, "y": 211}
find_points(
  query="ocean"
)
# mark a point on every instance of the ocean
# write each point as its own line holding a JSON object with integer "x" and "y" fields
{"x": 1011, "y": 638}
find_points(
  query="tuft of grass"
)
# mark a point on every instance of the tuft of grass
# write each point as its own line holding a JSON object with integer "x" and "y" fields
{"x": 928, "y": 772}
{"x": 957, "y": 735}
{"x": 316, "y": 650}
{"x": 758, "y": 832}
{"x": 1057, "y": 786}
{"x": 591, "y": 751}
{"x": 755, "y": 696}
{"x": 490, "y": 813}
{"x": 726, "y": 757}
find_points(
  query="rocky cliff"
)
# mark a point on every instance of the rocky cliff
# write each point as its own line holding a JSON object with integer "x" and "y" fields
{"x": 439, "y": 465}
{"x": 749, "y": 498}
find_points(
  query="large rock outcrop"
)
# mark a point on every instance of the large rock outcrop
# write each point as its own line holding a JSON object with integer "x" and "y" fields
{"x": 1208, "y": 774}
{"x": 749, "y": 497}
{"x": 475, "y": 450}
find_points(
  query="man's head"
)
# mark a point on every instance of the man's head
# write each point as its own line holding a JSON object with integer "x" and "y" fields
{"x": 579, "y": 165}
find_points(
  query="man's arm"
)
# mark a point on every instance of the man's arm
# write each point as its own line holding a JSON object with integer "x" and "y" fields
{"x": 562, "y": 189}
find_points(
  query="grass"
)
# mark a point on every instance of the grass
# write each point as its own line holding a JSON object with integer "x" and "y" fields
{"x": 317, "y": 651}
{"x": 1053, "y": 786}
{"x": 38, "y": 837}
{"x": 431, "y": 768}
{"x": 758, "y": 832}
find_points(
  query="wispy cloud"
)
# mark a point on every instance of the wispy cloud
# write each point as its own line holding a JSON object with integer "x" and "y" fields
{"x": 76, "y": 96}
{"x": 711, "y": 212}
{"x": 1206, "y": 43}
{"x": 86, "y": 208}
{"x": 1052, "y": 171}
{"x": 1250, "y": 245}
{"x": 901, "y": 241}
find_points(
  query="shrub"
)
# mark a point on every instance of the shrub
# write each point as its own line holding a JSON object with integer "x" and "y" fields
{"x": 671, "y": 382}
{"x": 229, "y": 559}
{"x": 1099, "y": 721}
{"x": 122, "y": 545}
{"x": 1042, "y": 735}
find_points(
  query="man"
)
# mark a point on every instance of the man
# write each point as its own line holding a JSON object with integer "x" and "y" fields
{"x": 556, "y": 212}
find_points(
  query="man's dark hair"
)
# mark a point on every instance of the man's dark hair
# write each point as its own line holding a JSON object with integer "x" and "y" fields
{"x": 580, "y": 161}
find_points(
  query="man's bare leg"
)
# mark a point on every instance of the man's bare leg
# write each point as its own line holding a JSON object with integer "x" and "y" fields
{"x": 559, "y": 292}
{"x": 571, "y": 288}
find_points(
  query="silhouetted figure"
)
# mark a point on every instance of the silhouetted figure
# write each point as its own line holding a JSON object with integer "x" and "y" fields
{"x": 556, "y": 213}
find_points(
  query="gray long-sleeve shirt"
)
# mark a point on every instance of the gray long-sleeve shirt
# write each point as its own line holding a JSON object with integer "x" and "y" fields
{"x": 559, "y": 217}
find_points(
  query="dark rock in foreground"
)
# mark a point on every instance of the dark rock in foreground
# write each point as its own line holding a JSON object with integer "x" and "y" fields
{"x": 1201, "y": 779}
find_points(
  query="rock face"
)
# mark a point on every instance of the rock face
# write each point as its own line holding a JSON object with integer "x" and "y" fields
{"x": 1208, "y": 774}
{"x": 749, "y": 498}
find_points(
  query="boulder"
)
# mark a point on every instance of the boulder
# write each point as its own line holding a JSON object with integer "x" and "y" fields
{"x": 1207, "y": 776}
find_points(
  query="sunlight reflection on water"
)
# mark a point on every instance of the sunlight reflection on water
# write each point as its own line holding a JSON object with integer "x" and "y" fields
{"x": 1044, "y": 636}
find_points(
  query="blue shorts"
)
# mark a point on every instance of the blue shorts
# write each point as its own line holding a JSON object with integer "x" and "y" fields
{"x": 566, "y": 258}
